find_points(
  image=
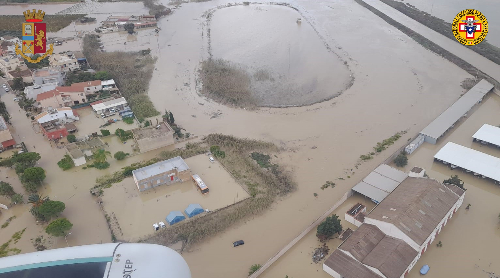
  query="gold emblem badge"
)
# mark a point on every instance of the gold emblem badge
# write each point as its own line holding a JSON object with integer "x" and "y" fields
{"x": 34, "y": 37}
{"x": 470, "y": 27}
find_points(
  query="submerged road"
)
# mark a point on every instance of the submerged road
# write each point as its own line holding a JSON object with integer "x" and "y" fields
{"x": 478, "y": 61}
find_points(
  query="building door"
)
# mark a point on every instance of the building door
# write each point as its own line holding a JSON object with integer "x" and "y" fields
{"x": 172, "y": 178}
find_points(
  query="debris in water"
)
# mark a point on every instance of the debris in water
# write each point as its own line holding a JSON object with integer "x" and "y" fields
{"x": 320, "y": 253}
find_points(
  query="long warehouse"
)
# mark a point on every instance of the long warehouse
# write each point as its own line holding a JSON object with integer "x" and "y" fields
{"x": 470, "y": 160}
{"x": 448, "y": 118}
{"x": 488, "y": 134}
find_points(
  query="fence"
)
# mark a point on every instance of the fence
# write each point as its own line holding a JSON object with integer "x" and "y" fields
{"x": 301, "y": 235}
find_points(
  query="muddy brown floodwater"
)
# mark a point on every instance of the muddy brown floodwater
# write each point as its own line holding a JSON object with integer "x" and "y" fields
{"x": 267, "y": 39}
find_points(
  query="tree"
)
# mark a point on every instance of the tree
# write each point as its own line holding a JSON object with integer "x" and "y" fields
{"x": 59, "y": 227}
{"x": 71, "y": 138}
{"x": 17, "y": 199}
{"x": 124, "y": 135}
{"x": 18, "y": 84}
{"x": 100, "y": 156}
{"x": 401, "y": 160}
{"x": 36, "y": 200}
{"x": 329, "y": 227}
{"x": 43, "y": 63}
{"x": 102, "y": 75}
{"x": 50, "y": 209}
{"x": 171, "y": 118}
{"x": 34, "y": 174}
{"x": 455, "y": 180}
{"x": 120, "y": 155}
{"x": 6, "y": 189}
{"x": 129, "y": 27}
{"x": 66, "y": 163}
{"x": 105, "y": 132}
{"x": 253, "y": 268}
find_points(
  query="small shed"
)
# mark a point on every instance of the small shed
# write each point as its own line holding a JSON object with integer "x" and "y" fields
{"x": 175, "y": 217}
{"x": 193, "y": 209}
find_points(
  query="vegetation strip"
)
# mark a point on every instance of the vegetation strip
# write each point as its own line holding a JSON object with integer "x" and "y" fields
{"x": 130, "y": 70}
{"x": 11, "y": 24}
{"x": 485, "y": 49}
{"x": 428, "y": 44}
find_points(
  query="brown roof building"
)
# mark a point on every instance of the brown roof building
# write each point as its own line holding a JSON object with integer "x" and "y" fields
{"x": 397, "y": 232}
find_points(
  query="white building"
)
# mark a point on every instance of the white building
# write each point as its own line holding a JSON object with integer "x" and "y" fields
{"x": 10, "y": 63}
{"x": 397, "y": 232}
{"x": 48, "y": 76}
{"x": 101, "y": 107}
{"x": 63, "y": 62}
{"x": 61, "y": 115}
{"x": 32, "y": 91}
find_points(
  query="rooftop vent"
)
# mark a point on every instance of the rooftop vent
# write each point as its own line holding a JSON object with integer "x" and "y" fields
{"x": 421, "y": 211}
{"x": 418, "y": 224}
{"x": 427, "y": 204}
{"x": 440, "y": 189}
{"x": 404, "y": 226}
{"x": 385, "y": 217}
{"x": 392, "y": 209}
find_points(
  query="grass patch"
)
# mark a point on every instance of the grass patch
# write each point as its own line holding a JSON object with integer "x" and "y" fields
{"x": 7, "y": 222}
{"x": 262, "y": 159}
{"x": 381, "y": 146}
{"x": 226, "y": 83}
{"x": 272, "y": 182}
{"x": 328, "y": 184}
{"x": 128, "y": 121}
{"x": 485, "y": 49}
{"x": 11, "y": 24}
{"x": 130, "y": 70}
{"x": 4, "y": 248}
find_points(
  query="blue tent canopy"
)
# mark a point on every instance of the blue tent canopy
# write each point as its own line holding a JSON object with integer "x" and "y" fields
{"x": 193, "y": 209}
{"x": 174, "y": 217}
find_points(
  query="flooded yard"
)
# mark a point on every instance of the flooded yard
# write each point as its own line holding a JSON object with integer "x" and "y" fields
{"x": 471, "y": 239}
{"x": 289, "y": 63}
{"x": 89, "y": 123}
{"x": 142, "y": 39}
{"x": 152, "y": 206}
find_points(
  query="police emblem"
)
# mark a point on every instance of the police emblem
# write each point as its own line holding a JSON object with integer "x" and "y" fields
{"x": 470, "y": 27}
{"x": 34, "y": 37}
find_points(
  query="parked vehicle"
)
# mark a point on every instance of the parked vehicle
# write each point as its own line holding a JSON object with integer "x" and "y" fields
{"x": 238, "y": 243}
{"x": 211, "y": 159}
{"x": 162, "y": 225}
{"x": 155, "y": 226}
{"x": 3, "y": 85}
{"x": 16, "y": 99}
{"x": 6, "y": 89}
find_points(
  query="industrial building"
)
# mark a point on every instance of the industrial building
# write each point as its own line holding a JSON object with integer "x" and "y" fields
{"x": 153, "y": 137}
{"x": 488, "y": 134}
{"x": 397, "y": 231}
{"x": 193, "y": 210}
{"x": 163, "y": 172}
{"x": 380, "y": 183}
{"x": 459, "y": 109}
{"x": 472, "y": 161}
{"x": 134, "y": 260}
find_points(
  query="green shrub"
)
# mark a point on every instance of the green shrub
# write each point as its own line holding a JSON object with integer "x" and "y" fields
{"x": 253, "y": 268}
{"x": 128, "y": 121}
{"x": 105, "y": 132}
{"x": 329, "y": 227}
{"x": 120, "y": 155}
{"x": 71, "y": 138}
{"x": 100, "y": 165}
{"x": 66, "y": 163}
{"x": 59, "y": 227}
{"x": 401, "y": 160}
{"x": 6, "y": 189}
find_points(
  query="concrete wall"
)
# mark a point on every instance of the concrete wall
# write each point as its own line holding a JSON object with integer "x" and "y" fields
{"x": 163, "y": 178}
{"x": 149, "y": 144}
{"x": 331, "y": 271}
{"x": 429, "y": 139}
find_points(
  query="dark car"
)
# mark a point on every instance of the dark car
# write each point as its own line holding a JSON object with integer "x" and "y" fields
{"x": 238, "y": 243}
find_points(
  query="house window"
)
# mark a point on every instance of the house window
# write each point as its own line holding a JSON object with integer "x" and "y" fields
{"x": 158, "y": 181}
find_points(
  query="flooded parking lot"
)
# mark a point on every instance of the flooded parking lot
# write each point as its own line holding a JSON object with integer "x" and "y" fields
{"x": 290, "y": 64}
{"x": 152, "y": 206}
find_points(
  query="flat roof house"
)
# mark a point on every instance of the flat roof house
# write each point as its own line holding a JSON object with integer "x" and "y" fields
{"x": 397, "y": 231}
{"x": 154, "y": 137}
{"x": 63, "y": 62}
{"x": 164, "y": 172}
{"x": 48, "y": 75}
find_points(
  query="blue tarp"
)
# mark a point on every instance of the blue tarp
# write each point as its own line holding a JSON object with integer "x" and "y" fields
{"x": 424, "y": 269}
{"x": 174, "y": 217}
{"x": 193, "y": 209}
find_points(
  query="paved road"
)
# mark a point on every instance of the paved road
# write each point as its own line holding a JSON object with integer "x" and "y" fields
{"x": 454, "y": 47}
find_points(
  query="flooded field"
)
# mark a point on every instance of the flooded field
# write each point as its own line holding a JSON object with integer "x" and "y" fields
{"x": 89, "y": 123}
{"x": 152, "y": 206}
{"x": 447, "y": 10}
{"x": 122, "y": 41}
{"x": 289, "y": 63}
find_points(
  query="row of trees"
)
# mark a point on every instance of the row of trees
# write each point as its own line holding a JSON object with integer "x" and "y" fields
{"x": 86, "y": 76}
{"x": 24, "y": 164}
{"x": 44, "y": 210}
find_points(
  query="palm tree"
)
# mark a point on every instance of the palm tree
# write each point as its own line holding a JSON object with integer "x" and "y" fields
{"x": 37, "y": 200}
{"x": 100, "y": 156}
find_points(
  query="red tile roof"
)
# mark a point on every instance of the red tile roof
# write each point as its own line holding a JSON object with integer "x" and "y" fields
{"x": 70, "y": 89}
{"x": 87, "y": 83}
{"x": 47, "y": 95}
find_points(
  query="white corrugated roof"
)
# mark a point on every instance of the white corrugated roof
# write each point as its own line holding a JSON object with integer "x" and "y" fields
{"x": 449, "y": 117}
{"x": 370, "y": 191}
{"x": 108, "y": 82}
{"x": 160, "y": 167}
{"x": 109, "y": 104}
{"x": 469, "y": 159}
{"x": 392, "y": 173}
{"x": 488, "y": 133}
